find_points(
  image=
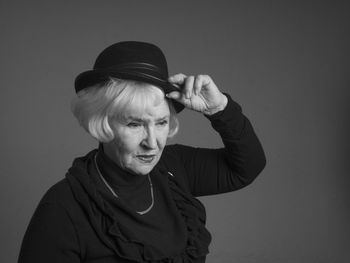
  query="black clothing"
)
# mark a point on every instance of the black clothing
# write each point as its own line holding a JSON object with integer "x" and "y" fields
{"x": 79, "y": 220}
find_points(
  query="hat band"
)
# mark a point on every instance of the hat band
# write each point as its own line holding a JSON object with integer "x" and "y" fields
{"x": 141, "y": 74}
{"x": 135, "y": 65}
{"x": 140, "y": 69}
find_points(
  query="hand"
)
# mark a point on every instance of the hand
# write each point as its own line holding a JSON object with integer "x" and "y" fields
{"x": 198, "y": 93}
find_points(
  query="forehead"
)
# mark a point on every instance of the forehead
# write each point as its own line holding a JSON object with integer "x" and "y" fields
{"x": 147, "y": 110}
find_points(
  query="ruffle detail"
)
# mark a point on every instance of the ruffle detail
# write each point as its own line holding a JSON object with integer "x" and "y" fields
{"x": 120, "y": 238}
{"x": 193, "y": 212}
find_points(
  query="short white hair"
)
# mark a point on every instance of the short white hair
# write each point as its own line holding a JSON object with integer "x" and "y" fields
{"x": 95, "y": 106}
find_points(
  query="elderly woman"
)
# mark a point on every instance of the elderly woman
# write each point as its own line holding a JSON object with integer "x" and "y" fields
{"x": 133, "y": 198}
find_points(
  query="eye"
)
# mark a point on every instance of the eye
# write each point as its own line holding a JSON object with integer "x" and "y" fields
{"x": 133, "y": 124}
{"x": 162, "y": 123}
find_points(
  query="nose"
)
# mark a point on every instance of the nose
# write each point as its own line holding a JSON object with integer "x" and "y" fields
{"x": 149, "y": 141}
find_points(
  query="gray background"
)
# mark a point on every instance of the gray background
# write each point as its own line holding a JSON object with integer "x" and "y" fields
{"x": 287, "y": 64}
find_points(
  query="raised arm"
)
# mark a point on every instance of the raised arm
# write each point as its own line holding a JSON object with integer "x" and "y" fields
{"x": 213, "y": 171}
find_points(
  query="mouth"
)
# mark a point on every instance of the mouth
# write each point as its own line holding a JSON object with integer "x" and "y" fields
{"x": 146, "y": 158}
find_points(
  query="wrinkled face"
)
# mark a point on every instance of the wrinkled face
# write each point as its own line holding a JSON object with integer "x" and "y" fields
{"x": 140, "y": 137}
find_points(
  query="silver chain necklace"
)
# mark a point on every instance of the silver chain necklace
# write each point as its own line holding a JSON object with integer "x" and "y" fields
{"x": 116, "y": 196}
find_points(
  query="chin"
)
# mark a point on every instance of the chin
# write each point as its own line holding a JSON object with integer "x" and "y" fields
{"x": 145, "y": 171}
{"x": 142, "y": 168}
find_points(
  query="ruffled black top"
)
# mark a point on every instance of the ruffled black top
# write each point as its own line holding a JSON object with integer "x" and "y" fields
{"x": 79, "y": 220}
{"x": 172, "y": 231}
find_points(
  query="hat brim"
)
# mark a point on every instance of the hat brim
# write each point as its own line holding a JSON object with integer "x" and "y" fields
{"x": 93, "y": 77}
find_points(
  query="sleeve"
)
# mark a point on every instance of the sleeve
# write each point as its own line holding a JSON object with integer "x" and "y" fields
{"x": 214, "y": 171}
{"x": 50, "y": 237}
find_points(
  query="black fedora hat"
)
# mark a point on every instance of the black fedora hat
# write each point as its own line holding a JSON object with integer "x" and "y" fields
{"x": 130, "y": 60}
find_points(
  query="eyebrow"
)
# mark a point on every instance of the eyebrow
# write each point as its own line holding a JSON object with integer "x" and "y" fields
{"x": 134, "y": 118}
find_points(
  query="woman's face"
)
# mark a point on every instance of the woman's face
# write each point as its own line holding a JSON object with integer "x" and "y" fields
{"x": 140, "y": 137}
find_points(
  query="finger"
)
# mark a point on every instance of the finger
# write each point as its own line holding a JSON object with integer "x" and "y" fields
{"x": 188, "y": 87}
{"x": 206, "y": 80}
{"x": 175, "y": 95}
{"x": 198, "y": 82}
{"x": 177, "y": 79}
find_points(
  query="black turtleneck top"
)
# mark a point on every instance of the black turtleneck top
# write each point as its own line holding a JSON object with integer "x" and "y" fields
{"x": 134, "y": 190}
{"x": 80, "y": 220}
{"x": 164, "y": 227}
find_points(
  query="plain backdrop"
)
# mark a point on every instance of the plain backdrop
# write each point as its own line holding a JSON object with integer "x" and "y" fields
{"x": 285, "y": 62}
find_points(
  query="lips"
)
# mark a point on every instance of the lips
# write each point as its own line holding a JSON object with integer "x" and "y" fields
{"x": 146, "y": 158}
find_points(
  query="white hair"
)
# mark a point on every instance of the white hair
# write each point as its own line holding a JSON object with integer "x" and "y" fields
{"x": 95, "y": 106}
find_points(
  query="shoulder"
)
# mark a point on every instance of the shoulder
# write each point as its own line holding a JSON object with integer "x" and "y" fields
{"x": 59, "y": 205}
{"x": 59, "y": 194}
{"x": 176, "y": 150}
{"x": 173, "y": 163}
{"x": 173, "y": 154}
